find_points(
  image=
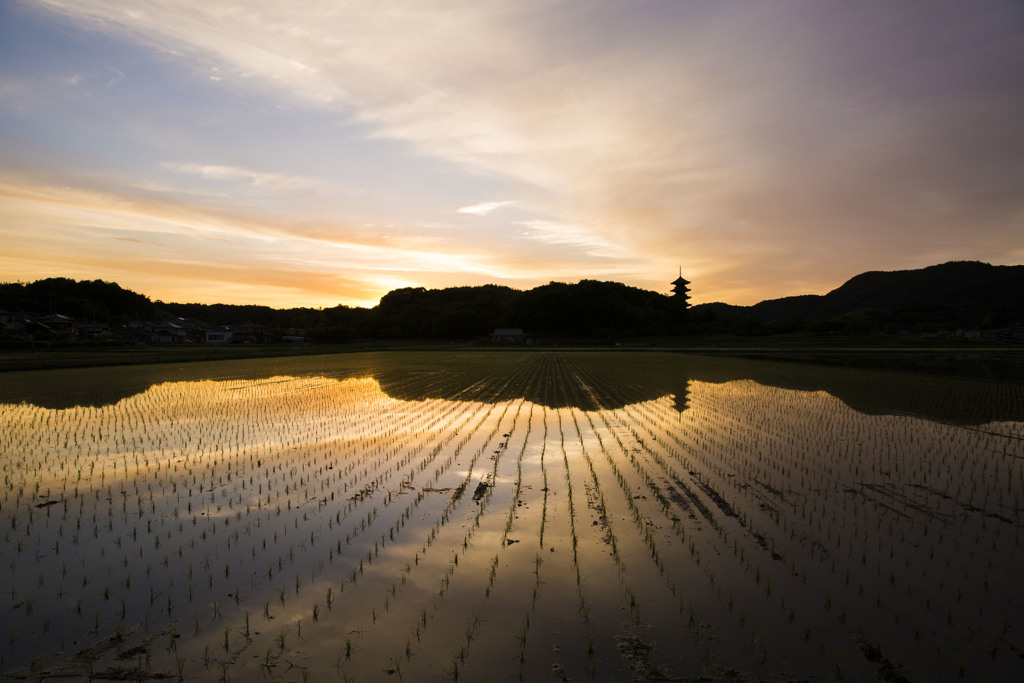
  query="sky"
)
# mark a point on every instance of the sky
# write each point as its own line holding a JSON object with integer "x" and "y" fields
{"x": 326, "y": 152}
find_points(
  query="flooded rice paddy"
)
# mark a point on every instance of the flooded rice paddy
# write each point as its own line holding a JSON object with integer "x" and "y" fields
{"x": 542, "y": 516}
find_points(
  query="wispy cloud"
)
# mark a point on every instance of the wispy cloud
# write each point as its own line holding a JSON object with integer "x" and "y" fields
{"x": 484, "y": 208}
{"x": 116, "y": 76}
{"x": 256, "y": 179}
{"x": 587, "y": 240}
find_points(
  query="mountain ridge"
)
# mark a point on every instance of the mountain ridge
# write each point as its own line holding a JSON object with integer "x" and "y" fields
{"x": 950, "y": 285}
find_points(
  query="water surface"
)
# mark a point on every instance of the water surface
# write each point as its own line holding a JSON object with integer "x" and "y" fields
{"x": 566, "y": 515}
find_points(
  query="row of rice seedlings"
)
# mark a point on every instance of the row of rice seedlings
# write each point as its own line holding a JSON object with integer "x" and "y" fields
{"x": 619, "y": 584}
{"x": 812, "y": 552}
{"x": 666, "y": 584}
{"x": 378, "y": 580}
{"x": 48, "y": 509}
{"x": 451, "y": 603}
{"x": 423, "y": 564}
{"x": 364, "y": 595}
{"x": 821, "y": 525}
{"x": 544, "y": 641}
{"x": 820, "y": 520}
{"x": 764, "y": 585}
{"x": 370, "y": 558}
{"x": 644, "y": 511}
{"x": 152, "y": 589}
{"x": 573, "y": 514}
{"x": 808, "y": 513}
{"x": 477, "y": 625}
{"x": 471, "y": 600}
{"x": 553, "y": 635}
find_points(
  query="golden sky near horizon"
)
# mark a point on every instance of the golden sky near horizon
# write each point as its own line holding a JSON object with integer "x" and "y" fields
{"x": 325, "y": 152}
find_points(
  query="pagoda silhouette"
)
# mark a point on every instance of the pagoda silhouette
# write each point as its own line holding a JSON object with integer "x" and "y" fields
{"x": 681, "y": 399}
{"x": 680, "y": 291}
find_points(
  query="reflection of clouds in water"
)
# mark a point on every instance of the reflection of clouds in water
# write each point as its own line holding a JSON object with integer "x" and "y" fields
{"x": 551, "y": 379}
{"x": 198, "y": 425}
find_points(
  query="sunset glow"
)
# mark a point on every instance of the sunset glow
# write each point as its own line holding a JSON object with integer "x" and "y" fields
{"x": 311, "y": 154}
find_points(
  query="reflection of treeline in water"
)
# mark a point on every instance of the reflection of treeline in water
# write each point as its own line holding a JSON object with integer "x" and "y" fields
{"x": 951, "y": 296}
{"x": 611, "y": 380}
{"x": 586, "y": 380}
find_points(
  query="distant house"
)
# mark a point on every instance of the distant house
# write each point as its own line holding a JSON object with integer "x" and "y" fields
{"x": 218, "y": 335}
{"x": 294, "y": 334}
{"x": 93, "y": 331}
{"x": 168, "y": 332}
{"x": 37, "y": 330}
{"x": 134, "y": 331}
{"x": 59, "y": 325}
{"x": 248, "y": 333}
{"x": 56, "y": 321}
{"x": 195, "y": 330}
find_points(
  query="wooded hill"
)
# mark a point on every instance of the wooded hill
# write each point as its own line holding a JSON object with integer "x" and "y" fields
{"x": 958, "y": 294}
{"x": 955, "y": 295}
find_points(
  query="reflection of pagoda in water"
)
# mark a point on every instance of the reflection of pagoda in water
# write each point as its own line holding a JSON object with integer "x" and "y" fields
{"x": 680, "y": 291}
{"x": 681, "y": 399}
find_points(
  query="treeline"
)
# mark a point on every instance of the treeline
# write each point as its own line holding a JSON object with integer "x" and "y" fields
{"x": 938, "y": 299}
{"x": 587, "y": 309}
{"x": 86, "y": 300}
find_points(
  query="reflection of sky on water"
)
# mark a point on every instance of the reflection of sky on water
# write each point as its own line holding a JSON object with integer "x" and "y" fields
{"x": 359, "y": 472}
{"x": 612, "y": 380}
